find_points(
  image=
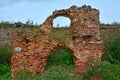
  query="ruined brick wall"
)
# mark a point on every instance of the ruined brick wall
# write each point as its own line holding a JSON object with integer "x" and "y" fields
{"x": 32, "y": 48}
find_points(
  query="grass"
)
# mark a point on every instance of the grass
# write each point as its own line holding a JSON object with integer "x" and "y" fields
{"x": 112, "y": 52}
{"x": 61, "y": 34}
{"x": 55, "y": 72}
{"x": 60, "y": 56}
{"x": 5, "y": 54}
{"x": 5, "y": 62}
{"x": 109, "y": 35}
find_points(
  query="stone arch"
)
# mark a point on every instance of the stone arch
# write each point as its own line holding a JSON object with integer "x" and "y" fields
{"x": 49, "y": 20}
{"x": 31, "y": 49}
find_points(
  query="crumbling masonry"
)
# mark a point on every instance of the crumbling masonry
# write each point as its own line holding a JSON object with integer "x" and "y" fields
{"x": 31, "y": 49}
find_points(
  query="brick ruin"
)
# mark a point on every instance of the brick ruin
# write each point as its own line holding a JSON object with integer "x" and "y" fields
{"x": 31, "y": 48}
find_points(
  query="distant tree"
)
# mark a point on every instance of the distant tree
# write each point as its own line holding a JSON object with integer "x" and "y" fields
{"x": 115, "y": 23}
{"x": 58, "y": 25}
{"x": 28, "y": 22}
{"x": 31, "y": 22}
{"x": 36, "y": 24}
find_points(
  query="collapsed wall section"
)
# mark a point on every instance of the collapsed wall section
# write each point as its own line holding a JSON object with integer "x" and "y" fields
{"x": 31, "y": 48}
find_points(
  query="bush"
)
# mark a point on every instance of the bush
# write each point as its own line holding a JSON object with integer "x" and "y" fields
{"x": 6, "y": 76}
{"x": 60, "y": 56}
{"x": 104, "y": 71}
{"x": 4, "y": 69}
{"x": 5, "y": 54}
{"x": 112, "y": 52}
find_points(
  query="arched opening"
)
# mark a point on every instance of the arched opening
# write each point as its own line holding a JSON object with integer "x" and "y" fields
{"x": 60, "y": 62}
{"x": 60, "y": 55}
{"x": 61, "y": 30}
{"x": 61, "y": 22}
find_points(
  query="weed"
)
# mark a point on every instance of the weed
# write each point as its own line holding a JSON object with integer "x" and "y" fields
{"x": 112, "y": 52}
{"x": 5, "y": 54}
{"x": 104, "y": 70}
{"x": 60, "y": 56}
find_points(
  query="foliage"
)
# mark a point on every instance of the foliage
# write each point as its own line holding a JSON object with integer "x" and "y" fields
{"x": 60, "y": 34}
{"x": 109, "y": 71}
{"x": 112, "y": 52}
{"x": 4, "y": 69}
{"x": 116, "y": 23}
{"x": 5, "y": 58}
{"x": 6, "y": 76}
{"x": 54, "y": 72}
{"x": 5, "y": 54}
{"x": 5, "y": 24}
{"x": 105, "y": 70}
{"x": 5, "y": 73}
{"x": 60, "y": 56}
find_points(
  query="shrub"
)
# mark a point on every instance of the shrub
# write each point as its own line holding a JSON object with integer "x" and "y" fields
{"x": 60, "y": 56}
{"x": 4, "y": 69}
{"x": 109, "y": 71}
{"x": 104, "y": 70}
{"x": 5, "y": 54}
{"x": 112, "y": 52}
{"x": 6, "y": 76}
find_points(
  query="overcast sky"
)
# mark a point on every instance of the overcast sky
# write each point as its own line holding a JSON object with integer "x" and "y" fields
{"x": 39, "y": 10}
